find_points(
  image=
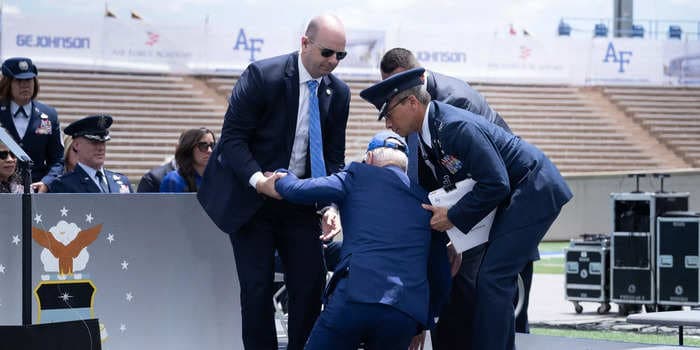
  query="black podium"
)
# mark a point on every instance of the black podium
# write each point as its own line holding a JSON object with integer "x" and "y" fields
{"x": 73, "y": 335}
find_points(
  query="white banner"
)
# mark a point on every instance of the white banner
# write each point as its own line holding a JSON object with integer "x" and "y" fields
{"x": 625, "y": 61}
{"x": 134, "y": 45}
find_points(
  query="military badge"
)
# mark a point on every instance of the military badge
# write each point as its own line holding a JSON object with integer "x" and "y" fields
{"x": 116, "y": 177}
{"x": 44, "y": 128}
{"x": 452, "y": 164}
{"x": 328, "y": 92}
{"x": 124, "y": 189}
{"x": 44, "y": 116}
{"x": 23, "y": 65}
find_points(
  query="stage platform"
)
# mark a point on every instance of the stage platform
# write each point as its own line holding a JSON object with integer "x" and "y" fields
{"x": 539, "y": 342}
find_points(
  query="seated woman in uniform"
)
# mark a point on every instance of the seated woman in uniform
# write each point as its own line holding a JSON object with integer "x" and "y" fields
{"x": 9, "y": 180}
{"x": 191, "y": 155}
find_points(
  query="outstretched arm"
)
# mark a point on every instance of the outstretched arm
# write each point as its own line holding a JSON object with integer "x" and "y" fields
{"x": 309, "y": 191}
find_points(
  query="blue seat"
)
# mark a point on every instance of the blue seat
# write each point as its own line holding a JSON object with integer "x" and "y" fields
{"x": 600, "y": 30}
{"x": 637, "y": 31}
{"x": 674, "y": 32}
{"x": 564, "y": 29}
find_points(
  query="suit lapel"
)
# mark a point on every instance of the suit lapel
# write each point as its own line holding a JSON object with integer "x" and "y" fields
{"x": 86, "y": 182}
{"x": 325, "y": 93}
{"x": 291, "y": 81}
{"x": 7, "y": 122}
{"x": 433, "y": 120}
{"x": 413, "y": 156}
{"x": 33, "y": 125}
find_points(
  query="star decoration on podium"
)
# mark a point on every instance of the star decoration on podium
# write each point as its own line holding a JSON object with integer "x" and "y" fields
{"x": 110, "y": 238}
{"x": 64, "y": 212}
{"x": 89, "y": 218}
{"x": 129, "y": 296}
{"x": 16, "y": 240}
{"x": 125, "y": 265}
{"x": 2, "y": 269}
{"x": 65, "y": 297}
{"x": 37, "y": 218}
{"x": 122, "y": 328}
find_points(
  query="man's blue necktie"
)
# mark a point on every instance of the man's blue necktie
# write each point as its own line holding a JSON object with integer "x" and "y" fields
{"x": 318, "y": 165}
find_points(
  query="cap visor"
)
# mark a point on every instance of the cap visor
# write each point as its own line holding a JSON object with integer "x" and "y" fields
{"x": 26, "y": 75}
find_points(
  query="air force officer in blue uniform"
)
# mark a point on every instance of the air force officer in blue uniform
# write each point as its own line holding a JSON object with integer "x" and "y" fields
{"x": 90, "y": 135}
{"x": 285, "y": 112}
{"x": 511, "y": 175}
{"x": 379, "y": 293}
{"x": 32, "y": 124}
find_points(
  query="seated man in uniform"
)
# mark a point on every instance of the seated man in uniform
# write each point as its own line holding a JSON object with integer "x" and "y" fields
{"x": 380, "y": 290}
{"x": 89, "y": 137}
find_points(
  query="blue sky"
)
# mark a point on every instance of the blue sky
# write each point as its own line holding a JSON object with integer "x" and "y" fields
{"x": 539, "y": 17}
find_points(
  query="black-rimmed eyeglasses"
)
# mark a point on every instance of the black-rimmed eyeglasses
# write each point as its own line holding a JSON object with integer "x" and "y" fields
{"x": 5, "y": 154}
{"x": 325, "y": 52}
{"x": 387, "y": 114}
{"x": 204, "y": 146}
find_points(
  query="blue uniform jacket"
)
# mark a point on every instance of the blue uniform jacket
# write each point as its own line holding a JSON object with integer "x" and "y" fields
{"x": 458, "y": 93}
{"x": 511, "y": 174}
{"x": 42, "y": 141}
{"x": 258, "y": 134}
{"x": 79, "y": 181}
{"x": 387, "y": 240}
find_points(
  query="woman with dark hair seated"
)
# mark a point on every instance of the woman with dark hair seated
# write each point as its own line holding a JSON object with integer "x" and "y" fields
{"x": 191, "y": 155}
{"x": 9, "y": 181}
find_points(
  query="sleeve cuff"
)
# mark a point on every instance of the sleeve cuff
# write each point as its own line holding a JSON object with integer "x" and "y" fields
{"x": 255, "y": 178}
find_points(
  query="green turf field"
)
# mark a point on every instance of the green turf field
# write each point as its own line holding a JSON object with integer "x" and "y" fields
{"x": 618, "y": 336}
{"x": 551, "y": 264}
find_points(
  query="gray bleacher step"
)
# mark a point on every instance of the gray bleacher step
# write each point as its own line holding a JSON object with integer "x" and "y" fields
{"x": 654, "y": 98}
{"x": 99, "y": 83}
{"x": 127, "y": 105}
{"x": 142, "y": 113}
{"x": 122, "y": 91}
{"x": 110, "y": 76}
{"x": 652, "y": 91}
{"x": 118, "y": 98}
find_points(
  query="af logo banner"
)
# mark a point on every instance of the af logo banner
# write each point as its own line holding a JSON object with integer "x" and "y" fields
{"x": 65, "y": 291}
{"x": 625, "y": 61}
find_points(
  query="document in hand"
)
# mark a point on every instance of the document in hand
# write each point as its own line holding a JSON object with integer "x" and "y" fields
{"x": 479, "y": 233}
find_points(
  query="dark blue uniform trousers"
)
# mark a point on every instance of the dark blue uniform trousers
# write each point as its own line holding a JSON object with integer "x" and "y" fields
{"x": 293, "y": 231}
{"x": 344, "y": 324}
{"x": 454, "y": 328}
{"x": 506, "y": 255}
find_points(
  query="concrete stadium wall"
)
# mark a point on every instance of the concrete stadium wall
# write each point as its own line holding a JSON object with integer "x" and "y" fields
{"x": 590, "y": 209}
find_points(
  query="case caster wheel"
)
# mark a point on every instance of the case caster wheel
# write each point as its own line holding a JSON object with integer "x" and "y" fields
{"x": 578, "y": 307}
{"x": 603, "y": 308}
{"x": 623, "y": 310}
{"x": 650, "y": 307}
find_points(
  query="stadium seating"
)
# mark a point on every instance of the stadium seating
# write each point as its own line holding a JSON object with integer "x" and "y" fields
{"x": 671, "y": 114}
{"x": 151, "y": 110}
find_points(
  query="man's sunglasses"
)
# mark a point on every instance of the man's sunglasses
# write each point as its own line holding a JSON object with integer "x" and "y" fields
{"x": 339, "y": 55}
{"x": 204, "y": 146}
{"x": 5, "y": 154}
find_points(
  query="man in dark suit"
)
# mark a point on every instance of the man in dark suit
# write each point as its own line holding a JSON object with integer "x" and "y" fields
{"x": 150, "y": 181}
{"x": 285, "y": 112}
{"x": 511, "y": 176}
{"x": 89, "y": 176}
{"x": 32, "y": 124}
{"x": 379, "y": 292}
{"x": 456, "y": 320}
